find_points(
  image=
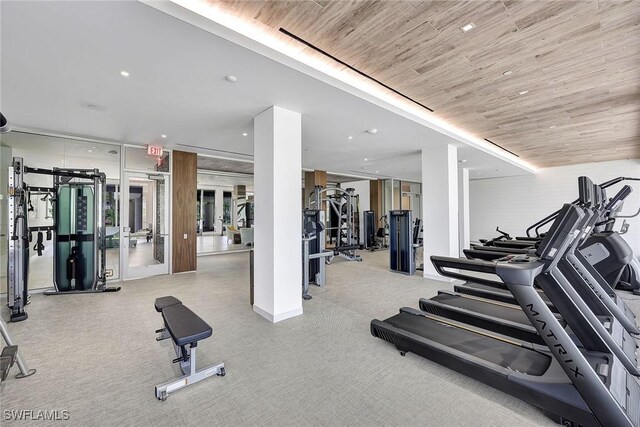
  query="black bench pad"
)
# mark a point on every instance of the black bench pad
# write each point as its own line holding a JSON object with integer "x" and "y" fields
{"x": 164, "y": 302}
{"x": 184, "y": 326}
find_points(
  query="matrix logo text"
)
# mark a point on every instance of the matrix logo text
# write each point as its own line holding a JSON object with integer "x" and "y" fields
{"x": 39, "y": 415}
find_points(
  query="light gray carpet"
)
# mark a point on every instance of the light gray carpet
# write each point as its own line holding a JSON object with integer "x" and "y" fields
{"x": 97, "y": 357}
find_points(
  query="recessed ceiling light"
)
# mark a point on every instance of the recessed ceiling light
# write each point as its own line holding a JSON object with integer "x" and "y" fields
{"x": 90, "y": 151}
{"x": 230, "y": 78}
{"x": 244, "y": 134}
{"x": 350, "y": 137}
{"x": 94, "y": 147}
{"x": 365, "y": 159}
{"x": 372, "y": 131}
{"x": 124, "y": 73}
{"x": 163, "y": 135}
{"x": 552, "y": 127}
{"x": 470, "y": 26}
{"x": 524, "y": 92}
{"x": 377, "y": 171}
{"x": 507, "y": 73}
{"x": 479, "y": 173}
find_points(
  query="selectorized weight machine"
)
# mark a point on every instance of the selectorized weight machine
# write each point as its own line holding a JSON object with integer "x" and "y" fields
{"x": 401, "y": 250}
{"x": 78, "y": 232}
{"x": 369, "y": 225}
{"x": 404, "y": 240}
{"x": 313, "y": 251}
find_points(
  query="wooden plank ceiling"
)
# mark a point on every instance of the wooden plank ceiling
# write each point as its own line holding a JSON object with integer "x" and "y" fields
{"x": 578, "y": 62}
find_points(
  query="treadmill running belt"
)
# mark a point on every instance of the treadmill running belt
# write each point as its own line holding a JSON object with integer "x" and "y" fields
{"x": 514, "y": 315}
{"x": 544, "y": 297}
{"x": 501, "y": 353}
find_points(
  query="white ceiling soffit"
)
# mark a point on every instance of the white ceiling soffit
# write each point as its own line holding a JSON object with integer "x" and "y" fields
{"x": 61, "y": 64}
{"x": 213, "y": 19}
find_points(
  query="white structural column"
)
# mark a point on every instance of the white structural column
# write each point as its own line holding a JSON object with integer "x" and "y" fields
{"x": 463, "y": 208}
{"x": 439, "y": 205}
{"x": 219, "y": 210}
{"x": 277, "y": 149}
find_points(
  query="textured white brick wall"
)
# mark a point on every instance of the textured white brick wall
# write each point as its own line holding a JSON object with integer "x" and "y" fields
{"x": 514, "y": 203}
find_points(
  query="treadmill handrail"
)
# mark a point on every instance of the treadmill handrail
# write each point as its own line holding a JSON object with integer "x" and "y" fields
{"x": 552, "y": 216}
{"x": 442, "y": 262}
{"x": 621, "y": 195}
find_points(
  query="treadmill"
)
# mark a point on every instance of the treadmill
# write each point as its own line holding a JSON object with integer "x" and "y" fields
{"x": 577, "y": 271}
{"x": 509, "y": 319}
{"x": 606, "y": 250}
{"x": 587, "y": 386}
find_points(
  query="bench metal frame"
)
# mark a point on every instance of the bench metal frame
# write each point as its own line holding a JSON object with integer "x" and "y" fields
{"x": 186, "y": 356}
{"x": 190, "y": 374}
{"x": 22, "y": 365}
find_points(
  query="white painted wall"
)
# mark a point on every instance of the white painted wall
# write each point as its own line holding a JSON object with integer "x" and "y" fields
{"x": 363, "y": 189}
{"x": 514, "y": 203}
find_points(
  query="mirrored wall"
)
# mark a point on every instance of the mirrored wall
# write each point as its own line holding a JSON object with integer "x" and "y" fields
{"x": 225, "y": 209}
{"x": 405, "y": 195}
{"x": 50, "y": 152}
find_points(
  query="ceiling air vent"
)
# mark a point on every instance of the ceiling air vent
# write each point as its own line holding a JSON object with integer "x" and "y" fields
{"x": 501, "y": 147}
{"x": 328, "y": 55}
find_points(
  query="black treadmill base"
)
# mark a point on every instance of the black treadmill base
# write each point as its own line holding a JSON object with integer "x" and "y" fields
{"x": 522, "y": 332}
{"x": 551, "y": 406}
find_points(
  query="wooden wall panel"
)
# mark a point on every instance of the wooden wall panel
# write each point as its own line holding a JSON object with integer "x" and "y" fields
{"x": 376, "y": 196}
{"x": 311, "y": 179}
{"x": 184, "y": 211}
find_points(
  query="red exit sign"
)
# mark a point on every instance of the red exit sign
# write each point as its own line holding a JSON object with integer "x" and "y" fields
{"x": 154, "y": 150}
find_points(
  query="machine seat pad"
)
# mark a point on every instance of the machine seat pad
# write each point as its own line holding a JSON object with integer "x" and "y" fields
{"x": 184, "y": 326}
{"x": 164, "y": 302}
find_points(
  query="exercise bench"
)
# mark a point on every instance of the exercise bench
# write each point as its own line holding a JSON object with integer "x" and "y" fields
{"x": 185, "y": 328}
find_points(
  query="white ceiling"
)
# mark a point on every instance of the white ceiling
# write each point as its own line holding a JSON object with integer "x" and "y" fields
{"x": 61, "y": 64}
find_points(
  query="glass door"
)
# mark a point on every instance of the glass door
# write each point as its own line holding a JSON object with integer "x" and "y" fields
{"x": 144, "y": 225}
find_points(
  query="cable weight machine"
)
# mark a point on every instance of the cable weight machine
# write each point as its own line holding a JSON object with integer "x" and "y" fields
{"x": 78, "y": 232}
{"x": 343, "y": 207}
